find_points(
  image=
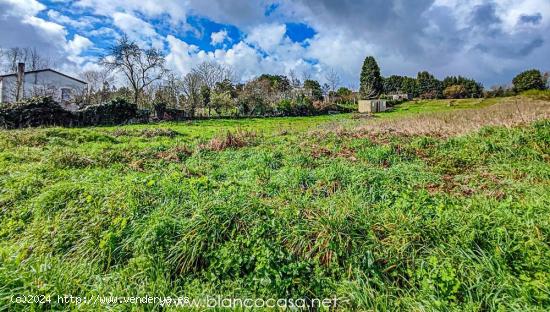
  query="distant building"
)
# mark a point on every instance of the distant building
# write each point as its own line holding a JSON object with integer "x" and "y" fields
{"x": 45, "y": 82}
{"x": 372, "y": 106}
{"x": 401, "y": 96}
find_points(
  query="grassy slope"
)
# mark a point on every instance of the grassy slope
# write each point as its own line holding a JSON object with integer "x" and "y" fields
{"x": 431, "y": 106}
{"x": 398, "y": 223}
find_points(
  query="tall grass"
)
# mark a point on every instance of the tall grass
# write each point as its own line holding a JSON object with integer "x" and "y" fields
{"x": 427, "y": 221}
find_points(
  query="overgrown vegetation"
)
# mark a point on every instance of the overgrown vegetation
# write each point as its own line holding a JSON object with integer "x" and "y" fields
{"x": 267, "y": 208}
{"x": 44, "y": 111}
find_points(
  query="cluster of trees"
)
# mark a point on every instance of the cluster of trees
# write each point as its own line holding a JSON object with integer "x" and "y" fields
{"x": 425, "y": 85}
{"x": 209, "y": 89}
{"x": 212, "y": 89}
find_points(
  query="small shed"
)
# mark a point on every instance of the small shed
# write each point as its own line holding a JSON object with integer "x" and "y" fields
{"x": 372, "y": 106}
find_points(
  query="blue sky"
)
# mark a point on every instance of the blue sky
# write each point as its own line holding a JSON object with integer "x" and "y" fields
{"x": 487, "y": 40}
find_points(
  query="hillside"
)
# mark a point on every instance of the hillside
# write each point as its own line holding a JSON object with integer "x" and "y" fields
{"x": 432, "y": 206}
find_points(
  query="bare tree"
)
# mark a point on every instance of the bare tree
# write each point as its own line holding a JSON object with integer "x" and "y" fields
{"x": 141, "y": 67}
{"x": 32, "y": 59}
{"x": 191, "y": 86}
{"x": 99, "y": 83}
{"x": 333, "y": 80}
{"x": 97, "y": 79}
{"x": 306, "y": 75}
{"x": 212, "y": 73}
{"x": 172, "y": 89}
{"x": 294, "y": 80}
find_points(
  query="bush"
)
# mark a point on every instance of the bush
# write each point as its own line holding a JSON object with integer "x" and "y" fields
{"x": 301, "y": 106}
{"x": 455, "y": 92}
{"x": 529, "y": 80}
{"x": 116, "y": 112}
{"x": 34, "y": 112}
{"x": 284, "y": 107}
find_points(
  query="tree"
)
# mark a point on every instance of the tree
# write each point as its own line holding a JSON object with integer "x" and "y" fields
{"x": 97, "y": 79}
{"x": 205, "y": 97}
{"x": 371, "y": 81}
{"x": 294, "y": 80}
{"x": 191, "y": 87}
{"x": 254, "y": 97}
{"x": 30, "y": 56}
{"x": 428, "y": 86}
{"x": 325, "y": 89}
{"x": 345, "y": 95}
{"x": 99, "y": 83}
{"x": 314, "y": 89}
{"x": 455, "y": 92}
{"x": 221, "y": 101}
{"x": 472, "y": 88}
{"x": 226, "y": 86}
{"x": 333, "y": 79}
{"x": 212, "y": 73}
{"x": 528, "y": 80}
{"x": 141, "y": 67}
{"x": 393, "y": 84}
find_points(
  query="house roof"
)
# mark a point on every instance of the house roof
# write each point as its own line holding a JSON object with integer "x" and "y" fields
{"x": 45, "y": 70}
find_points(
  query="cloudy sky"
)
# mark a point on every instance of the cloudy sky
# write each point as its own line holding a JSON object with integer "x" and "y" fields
{"x": 489, "y": 40}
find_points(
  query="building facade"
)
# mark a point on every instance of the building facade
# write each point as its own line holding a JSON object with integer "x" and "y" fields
{"x": 46, "y": 82}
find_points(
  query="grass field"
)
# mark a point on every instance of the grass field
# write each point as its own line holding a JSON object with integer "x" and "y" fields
{"x": 429, "y": 207}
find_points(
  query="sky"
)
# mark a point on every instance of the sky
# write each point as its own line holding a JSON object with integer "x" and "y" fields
{"x": 490, "y": 41}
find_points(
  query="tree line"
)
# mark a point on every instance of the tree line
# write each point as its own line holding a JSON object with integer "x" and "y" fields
{"x": 427, "y": 86}
{"x": 212, "y": 89}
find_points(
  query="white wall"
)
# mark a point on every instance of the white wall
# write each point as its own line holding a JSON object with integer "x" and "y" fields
{"x": 40, "y": 83}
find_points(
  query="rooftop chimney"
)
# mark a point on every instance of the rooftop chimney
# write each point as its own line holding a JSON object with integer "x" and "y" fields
{"x": 20, "y": 92}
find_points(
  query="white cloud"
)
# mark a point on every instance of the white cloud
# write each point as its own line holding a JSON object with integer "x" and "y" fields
{"x": 267, "y": 36}
{"x": 78, "y": 45}
{"x": 219, "y": 37}
{"x": 138, "y": 30}
{"x": 479, "y": 38}
{"x": 21, "y": 7}
{"x": 65, "y": 20}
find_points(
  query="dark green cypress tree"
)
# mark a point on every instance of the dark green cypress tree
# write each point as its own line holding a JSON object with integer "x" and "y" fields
{"x": 371, "y": 81}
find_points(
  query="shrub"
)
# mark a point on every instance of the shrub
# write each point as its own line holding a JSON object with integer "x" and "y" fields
{"x": 284, "y": 107}
{"x": 455, "y": 92}
{"x": 115, "y": 112}
{"x": 34, "y": 112}
{"x": 528, "y": 80}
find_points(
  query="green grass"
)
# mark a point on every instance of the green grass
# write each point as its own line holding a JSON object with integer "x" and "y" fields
{"x": 543, "y": 95}
{"x": 430, "y": 106}
{"x": 390, "y": 223}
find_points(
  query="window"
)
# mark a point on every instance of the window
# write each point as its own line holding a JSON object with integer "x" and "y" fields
{"x": 65, "y": 94}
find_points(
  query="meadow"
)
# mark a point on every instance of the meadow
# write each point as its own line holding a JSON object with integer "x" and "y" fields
{"x": 434, "y": 206}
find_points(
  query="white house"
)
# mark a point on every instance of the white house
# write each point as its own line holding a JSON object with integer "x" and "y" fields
{"x": 44, "y": 82}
